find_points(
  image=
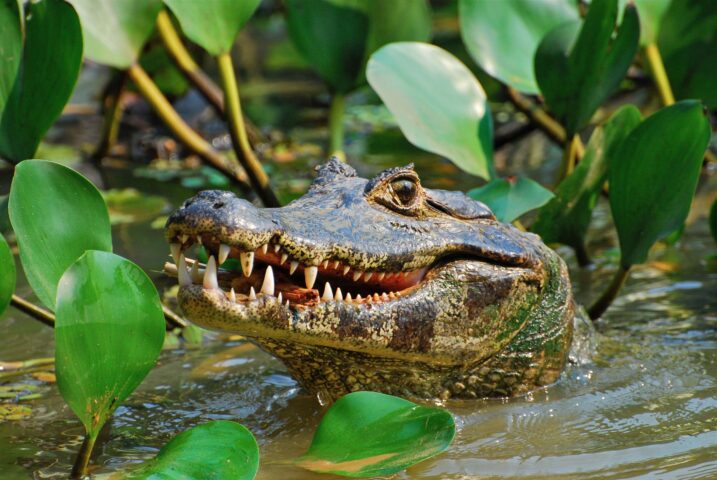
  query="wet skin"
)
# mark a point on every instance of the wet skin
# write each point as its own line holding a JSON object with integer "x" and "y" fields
{"x": 379, "y": 285}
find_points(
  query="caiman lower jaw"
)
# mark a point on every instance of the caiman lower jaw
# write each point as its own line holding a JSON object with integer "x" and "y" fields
{"x": 270, "y": 273}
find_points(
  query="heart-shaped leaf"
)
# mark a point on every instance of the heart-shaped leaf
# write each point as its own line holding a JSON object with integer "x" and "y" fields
{"x": 509, "y": 198}
{"x": 109, "y": 331}
{"x": 51, "y": 60}
{"x": 438, "y": 103}
{"x": 653, "y": 177}
{"x": 502, "y": 36}
{"x": 115, "y": 31}
{"x": 10, "y": 47}
{"x": 213, "y": 25}
{"x": 688, "y": 42}
{"x": 577, "y": 74}
{"x": 219, "y": 449}
{"x": 368, "y": 434}
{"x": 57, "y": 214}
{"x": 7, "y": 274}
{"x": 566, "y": 217}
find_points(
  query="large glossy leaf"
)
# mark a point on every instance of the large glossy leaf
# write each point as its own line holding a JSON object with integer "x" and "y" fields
{"x": 651, "y": 13}
{"x": 57, "y": 214}
{"x": 108, "y": 334}
{"x": 397, "y": 21}
{"x": 653, "y": 177}
{"x": 213, "y": 25}
{"x": 10, "y": 47}
{"x": 116, "y": 30}
{"x": 51, "y": 61}
{"x": 502, "y": 36}
{"x": 368, "y": 434}
{"x": 688, "y": 42}
{"x": 438, "y": 103}
{"x": 7, "y": 274}
{"x": 576, "y": 72}
{"x": 565, "y": 219}
{"x": 219, "y": 449}
{"x": 509, "y": 198}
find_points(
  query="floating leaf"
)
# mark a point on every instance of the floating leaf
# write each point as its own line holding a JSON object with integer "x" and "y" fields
{"x": 108, "y": 334}
{"x": 566, "y": 217}
{"x": 368, "y": 434}
{"x": 115, "y": 31}
{"x": 688, "y": 43}
{"x": 57, "y": 214}
{"x": 438, "y": 103}
{"x": 50, "y": 64}
{"x": 7, "y": 274}
{"x": 509, "y": 198}
{"x": 502, "y": 36}
{"x": 577, "y": 72}
{"x": 213, "y": 25}
{"x": 10, "y": 47}
{"x": 653, "y": 177}
{"x": 219, "y": 449}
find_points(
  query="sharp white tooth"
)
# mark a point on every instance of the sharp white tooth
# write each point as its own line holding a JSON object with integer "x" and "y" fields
{"x": 210, "y": 274}
{"x": 247, "y": 262}
{"x": 199, "y": 239}
{"x": 265, "y": 248}
{"x": 183, "y": 238}
{"x": 176, "y": 250}
{"x": 232, "y": 296}
{"x": 337, "y": 264}
{"x": 367, "y": 276}
{"x": 346, "y": 269}
{"x": 338, "y": 297}
{"x": 348, "y": 298}
{"x": 196, "y": 276}
{"x": 277, "y": 247}
{"x": 310, "y": 276}
{"x": 384, "y": 297}
{"x": 287, "y": 303}
{"x": 284, "y": 258}
{"x": 223, "y": 253}
{"x": 381, "y": 276}
{"x": 182, "y": 274}
{"x": 359, "y": 298}
{"x": 391, "y": 295}
{"x": 293, "y": 266}
{"x": 376, "y": 298}
{"x": 328, "y": 293}
{"x": 357, "y": 275}
{"x": 325, "y": 264}
{"x": 252, "y": 294}
{"x": 268, "y": 286}
{"x": 278, "y": 297}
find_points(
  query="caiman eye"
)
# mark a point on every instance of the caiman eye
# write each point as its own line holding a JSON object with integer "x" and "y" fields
{"x": 405, "y": 191}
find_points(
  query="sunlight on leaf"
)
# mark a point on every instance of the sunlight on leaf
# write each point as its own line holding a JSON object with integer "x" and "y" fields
{"x": 512, "y": 197}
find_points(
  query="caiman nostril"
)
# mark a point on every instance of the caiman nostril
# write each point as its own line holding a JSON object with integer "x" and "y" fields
{"x": 218, "y": 205}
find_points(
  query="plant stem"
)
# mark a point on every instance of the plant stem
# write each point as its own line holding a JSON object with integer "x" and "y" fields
{"x": 571, "y": 153}
{"x": 172, "y": 319}
{"x": 602, "y": 303}
{"x": 186, "y": 135}
{"x": 245, "y": 154}
{"x": 336, "y": 125}
{"x": 79, "y": 469}
{"x": 33, "y": 310}
{"x": 112, "y": 115}
{"x": 538, "y": 116}
{"x": 659, "y": 75}
{"x": 582, "y": 256}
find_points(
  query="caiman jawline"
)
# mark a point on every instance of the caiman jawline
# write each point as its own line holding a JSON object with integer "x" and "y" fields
{"x": 271, "y": 272}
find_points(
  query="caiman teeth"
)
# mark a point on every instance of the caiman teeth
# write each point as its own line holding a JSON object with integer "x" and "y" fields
{"x": 357, "y": 275}
{"x": 184, "y": 238}
{"x": 293, "y": 267}
{"x": 310, "y": 274}
{"x": 252, "y": 293}
{"x": 210, "y": 275}
{"x": 348, "y": 297}
{"x": 223, "y": 253}
{"x": 182, "y": 273}
{"x": 328, "y": 294}
{"x": 278, "y": 297}
{"x": 381, "y": 276}
{"x": 346, "y": 269}
{"x": 268, "y": 286}
{"x": 264, "y": 248}
{"x": 232, "y": 296}
{"x": 247, "y": 262}
{"x": 325, "y": 264}
{"x": 199, "y": 239}
{"x": 175, "y": 249}
{"x": 338, "y": 297}
{"x": 367, "y": 276}
{"x": 284, "y": 258}
{"x": 337, "y": 264}
{"x": 277, "y": 247}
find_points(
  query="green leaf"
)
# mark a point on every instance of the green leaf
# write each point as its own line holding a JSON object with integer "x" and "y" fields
{"x": 512, "y": 197}
{"x": 576, "y": 75}
{"x": 398, "y": 21}
{"x": 653, "y": 177}
{"x": 651, "y": 13}
{"x": 115, "y": 31}
{"x": 368, "y": 434}
{"x": 213, "y": 25}
{"x": 219, "y": 449}
{"x": 687, "y": 40}
{"x": 565, "y": 219}
{"x": 502, "y": 36}
{"x": 713, "y": 220}
{"x": 47, "y": 74}
{"x": 7, "y": 274}
{"x": 57, "y": 214}
{"x": 438, "y": 103}
{"x": 108, "y": 334}
{"x": 10, "y": 48}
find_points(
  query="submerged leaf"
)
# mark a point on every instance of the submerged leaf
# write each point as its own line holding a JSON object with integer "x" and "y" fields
{"x": 369, "y": 434}
{"x": 108, "y": 334}
{"x": 7, "y": 274}
{"x": 57, "y": 214}
{"x": 512, "y": 197}
{"x": 219, "y": 449}
{"x": 438, "y": 103}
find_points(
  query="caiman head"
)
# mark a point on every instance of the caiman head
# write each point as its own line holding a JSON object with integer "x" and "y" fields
{"x": 379, "y": 285}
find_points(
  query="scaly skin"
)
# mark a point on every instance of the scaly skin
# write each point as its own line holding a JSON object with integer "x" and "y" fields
{"x": 479, "y": 308}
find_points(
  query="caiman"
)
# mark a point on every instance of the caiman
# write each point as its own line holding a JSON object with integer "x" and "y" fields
{"x": 379, "y": 285}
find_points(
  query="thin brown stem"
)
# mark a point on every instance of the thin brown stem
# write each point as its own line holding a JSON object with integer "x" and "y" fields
{"x": 38, "y": 313}
{"x": 79, "y": 469}
{"x": 606, "y": 299}
{"x": 113, "y": 110}
{"x": 538, "y": 116}
{"x": 173, "y": 320}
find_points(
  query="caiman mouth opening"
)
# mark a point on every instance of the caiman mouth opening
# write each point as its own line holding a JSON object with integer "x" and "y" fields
{"x": 269, "y": 271}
